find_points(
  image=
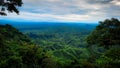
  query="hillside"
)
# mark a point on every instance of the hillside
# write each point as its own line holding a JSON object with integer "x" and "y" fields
{"x": 65, "y": 41}
{"x": 10, "y": 34}
{"x": 53, "y": 49}
{"x": 63, "y": 38}
{"x": 53, "y": 46}
{"x": 17, "y": 50}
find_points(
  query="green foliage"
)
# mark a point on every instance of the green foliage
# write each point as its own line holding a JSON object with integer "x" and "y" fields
{"x": 49, "y": 63}
{"x": 55, "y": 49}
{"x": 64, "y": 43}
{"x": 110, "y": 59}
{"x": 87, "y": 64}
{"x": 17, "y": 51}
{"x": 106, "y": 34}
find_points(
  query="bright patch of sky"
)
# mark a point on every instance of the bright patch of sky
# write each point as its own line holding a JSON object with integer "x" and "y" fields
{"x": 66, "y": 11}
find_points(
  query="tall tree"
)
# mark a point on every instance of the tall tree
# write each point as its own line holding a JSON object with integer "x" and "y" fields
{"x": 106, "y": 34}
{"x": 10, "y": 5}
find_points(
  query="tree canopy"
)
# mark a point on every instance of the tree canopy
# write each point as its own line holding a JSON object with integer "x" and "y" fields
{"x": 10, "y": 5}
{"x": 106, "y": 34}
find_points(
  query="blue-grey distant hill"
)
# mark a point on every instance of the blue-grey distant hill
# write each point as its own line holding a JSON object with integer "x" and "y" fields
{"x": 49, "y": 26}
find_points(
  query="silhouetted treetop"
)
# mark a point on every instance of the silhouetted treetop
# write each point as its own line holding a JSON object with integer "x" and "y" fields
{"x": 10, "y": 5}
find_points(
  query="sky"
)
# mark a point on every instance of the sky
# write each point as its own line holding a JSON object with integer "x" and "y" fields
{"x": 85, "y": 11}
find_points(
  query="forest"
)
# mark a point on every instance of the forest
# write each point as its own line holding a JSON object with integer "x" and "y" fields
{"x": 60, "y": 45}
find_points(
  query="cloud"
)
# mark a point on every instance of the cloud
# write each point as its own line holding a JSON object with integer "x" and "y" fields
{"x": 67, "y": 10}
{"x": 116, "y": 2}
{"x": 28, "y": 16}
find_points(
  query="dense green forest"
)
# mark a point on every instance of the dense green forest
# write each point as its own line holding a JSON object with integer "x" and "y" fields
{"x": 51, "y": 45}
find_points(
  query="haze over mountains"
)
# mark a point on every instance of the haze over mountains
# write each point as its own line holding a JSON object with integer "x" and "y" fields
{"x": 35, "y": 25}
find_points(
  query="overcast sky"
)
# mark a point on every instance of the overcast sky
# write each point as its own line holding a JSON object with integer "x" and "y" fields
{"x": 66, "y": 11}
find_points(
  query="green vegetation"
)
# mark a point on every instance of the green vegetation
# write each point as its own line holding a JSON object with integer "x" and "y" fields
{"x": 66, "y": 43}
{"x": 107, "y": 34}
{"x": 61, "y": 46}
{"x": 17, "y": 51}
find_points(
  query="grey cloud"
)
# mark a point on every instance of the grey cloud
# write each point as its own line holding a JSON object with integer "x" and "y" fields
{"x": 99, "y": 1}
{"x": 103, "y": 8}
{"x": 73, "y": 9}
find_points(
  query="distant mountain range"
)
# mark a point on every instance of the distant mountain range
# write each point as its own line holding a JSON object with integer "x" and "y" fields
{"x": 49, "y": 25}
